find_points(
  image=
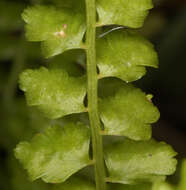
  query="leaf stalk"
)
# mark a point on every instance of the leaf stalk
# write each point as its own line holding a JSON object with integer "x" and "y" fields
{"x": 93, "y": 95}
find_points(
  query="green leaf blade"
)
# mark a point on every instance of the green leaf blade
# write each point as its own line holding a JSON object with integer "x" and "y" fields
{"x": 58, "y": 29}
{"x": 162, "y": 186}
{"x": 57, "y": 154}
{"x": 53, "y": 91}
{"x": 131, "y": 162}
{"x": 73, "y": 62}
{"x": 124, "y": 54}
{"x": 130, "y": 13}
{"x": 182, "y": 183}
{"x": 78, "y": 5}
{"x": 143, "y": 186}
{"x": 128, "y": 113}
{"x": 76, "y": 183}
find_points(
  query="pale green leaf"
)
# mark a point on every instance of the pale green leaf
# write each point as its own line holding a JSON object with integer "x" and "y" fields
{"x": 162, "y": 186}
{"x": 131, "y": 13}
{"x": 167, "y": 186}
{"x": 133, "y": 161}
{"x": 128, "y": 113}
{"x": 75, "y": 183}
{"x": 20, "y": 180}
{"x": 130, "y": 187}
{"x": 80, "y": 4}
{"x": 58, "y": 29}
{"x": 109, "y": 86}
{"x": 71, "y": 4}
{"x": 57, "y": 153}
{"x": 73, "y": 62}
{"x": 124, "y": 54}
{"x": 182, "y": 183}
{"x": 54, "y": 92}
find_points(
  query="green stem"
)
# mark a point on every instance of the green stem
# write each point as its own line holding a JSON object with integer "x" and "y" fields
{"x": 93, "y": 97}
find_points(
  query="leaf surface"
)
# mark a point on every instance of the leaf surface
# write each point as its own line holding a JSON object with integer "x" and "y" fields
{"x": 54, "y": 92}
{"x": 72, "y": 61}
{"x": 130, "y": 13}
{"x": 57, "y": 153}
{"x": 133, "y": 161}
{"x": 128, "y": 113}
{"x": 130, "y": 187}
{"x": 182, "y": 183}
{"x": 75, "y": 183}
{"x": 58, "y": 29}
{"x": 162, "y": 186}
{"x": 80, "y": 4}
{"x": 124, "y": 54}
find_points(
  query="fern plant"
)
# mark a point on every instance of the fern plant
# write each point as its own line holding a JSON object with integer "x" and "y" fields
{"x": 100, "y": 34}
{"x": 167, "y": 186}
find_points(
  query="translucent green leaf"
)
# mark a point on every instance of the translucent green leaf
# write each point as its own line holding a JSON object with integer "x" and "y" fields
{"x": 109, "y": 86}
{"x": 133, "y": 161}
{"x": 128, "y": 113}
{"x": 131, "y": 13}
{"x": 71, "y": 4}
{"x": 54, "y": 92}
{"x": 124, "y": 54}
{"x": 20, "y": 180}
{"x": 182, "y": 183}
{"x": 167, "y": 186}
{"x": 80, "y": 4}
{"x": 75, "y": 183}
{"x": 58, "y": 153}
{"x": 73, "y": 62}
{"x": 58, "y": 29}
{"x": 130, "y": 187}
{"x": 162, "y": 186}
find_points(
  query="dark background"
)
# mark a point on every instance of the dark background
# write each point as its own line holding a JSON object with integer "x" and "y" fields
{"x": 165, "y": 27}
